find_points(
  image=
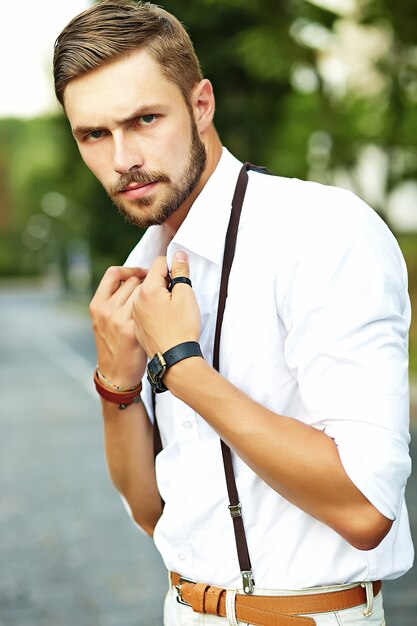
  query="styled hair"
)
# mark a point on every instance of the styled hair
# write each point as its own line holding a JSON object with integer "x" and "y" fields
{"x": 112, "y": 29}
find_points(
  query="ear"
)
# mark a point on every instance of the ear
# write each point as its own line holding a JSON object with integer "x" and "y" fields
{"x": 202, "y": 101}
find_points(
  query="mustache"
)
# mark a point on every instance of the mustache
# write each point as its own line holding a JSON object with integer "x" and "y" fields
{"x": 139, "y": 177}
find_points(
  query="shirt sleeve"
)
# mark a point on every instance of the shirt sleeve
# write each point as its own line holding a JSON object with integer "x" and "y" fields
{"x": 347, "y": 315}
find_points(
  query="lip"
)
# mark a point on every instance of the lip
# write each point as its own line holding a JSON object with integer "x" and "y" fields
{"x": 138, "y": 190}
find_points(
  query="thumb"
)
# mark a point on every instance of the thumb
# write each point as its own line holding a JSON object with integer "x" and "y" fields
{"x": 180, "y": 265}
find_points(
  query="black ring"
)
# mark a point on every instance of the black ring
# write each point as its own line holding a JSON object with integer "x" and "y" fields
{"x": 179, "y": 279}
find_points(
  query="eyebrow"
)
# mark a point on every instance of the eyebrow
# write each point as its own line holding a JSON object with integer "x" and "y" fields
{"x": 80, "y": 131}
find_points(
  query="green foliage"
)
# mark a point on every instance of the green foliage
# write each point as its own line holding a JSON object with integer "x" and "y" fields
{"x": 42, "y": 158}
{"x": 408, "y": 244}
{"x": 274, "y": 100}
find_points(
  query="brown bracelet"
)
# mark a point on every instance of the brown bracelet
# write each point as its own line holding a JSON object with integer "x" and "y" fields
{"x": 108, "y": 383}
{"x": 122, "y": 398}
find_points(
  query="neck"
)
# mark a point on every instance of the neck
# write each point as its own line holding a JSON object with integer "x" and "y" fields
{"x": 214, "y": 151}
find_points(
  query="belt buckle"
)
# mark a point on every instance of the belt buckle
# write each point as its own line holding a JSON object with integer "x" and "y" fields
{"x": 180, "y": 599}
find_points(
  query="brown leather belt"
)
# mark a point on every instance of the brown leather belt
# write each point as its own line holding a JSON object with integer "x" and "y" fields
{"x": 268, "y": 610}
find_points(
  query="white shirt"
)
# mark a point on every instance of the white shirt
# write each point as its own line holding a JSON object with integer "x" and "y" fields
{"x": 315, "y": 328}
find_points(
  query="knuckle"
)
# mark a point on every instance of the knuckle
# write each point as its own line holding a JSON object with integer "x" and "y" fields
{"x": 119, "y": 330}
{"x": 94, "y": 309}
{"x": 145, "y": 296}
{"x": 101, "y": 316}
{"x": 105, "y": 314}
{"x": 145, "y": 290}
{"x": 113, "y": 272}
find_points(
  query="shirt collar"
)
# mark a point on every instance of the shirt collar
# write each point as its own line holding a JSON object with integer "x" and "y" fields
{"x": 204, "y": 229}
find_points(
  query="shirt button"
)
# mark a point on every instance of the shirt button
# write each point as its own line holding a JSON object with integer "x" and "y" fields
{"x": 187, "y": 425}
{"x": 181, "y": 556}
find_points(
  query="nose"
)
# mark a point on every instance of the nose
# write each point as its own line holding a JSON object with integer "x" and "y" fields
{"x": 126, "y": 154}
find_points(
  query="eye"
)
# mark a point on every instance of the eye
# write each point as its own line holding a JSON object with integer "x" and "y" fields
{"x": 145, "y": 120}
{"x": 94, "y": 135}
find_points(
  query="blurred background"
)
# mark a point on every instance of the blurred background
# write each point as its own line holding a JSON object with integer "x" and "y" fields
{"x": 318, "y": 89}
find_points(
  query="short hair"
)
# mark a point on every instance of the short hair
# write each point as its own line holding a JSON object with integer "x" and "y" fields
{"x": 112, "y": 29}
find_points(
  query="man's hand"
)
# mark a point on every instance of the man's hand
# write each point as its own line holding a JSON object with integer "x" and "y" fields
{"x": 120, "y": 357}
{"x": 163, "y": 319}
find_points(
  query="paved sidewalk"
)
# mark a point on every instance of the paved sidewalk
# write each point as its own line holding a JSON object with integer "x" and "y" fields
{"x": 69, "y": 555}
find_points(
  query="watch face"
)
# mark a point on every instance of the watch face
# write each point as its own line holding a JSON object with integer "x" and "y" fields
{"x": 156, "y": 368}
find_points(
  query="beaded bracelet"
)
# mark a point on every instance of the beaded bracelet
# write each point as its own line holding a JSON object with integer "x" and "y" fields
{"x": 108, "y": 382}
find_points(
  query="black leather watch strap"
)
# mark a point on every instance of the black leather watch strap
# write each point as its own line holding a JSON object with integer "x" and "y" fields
{"x": 161, "y": 362}
{"x": 182, "y": 351}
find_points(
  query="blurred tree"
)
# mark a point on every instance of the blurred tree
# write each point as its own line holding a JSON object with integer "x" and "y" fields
{"x": 52, "y": 199}
{"x": 315, "y": 89}
{"x": 307, "y": 87}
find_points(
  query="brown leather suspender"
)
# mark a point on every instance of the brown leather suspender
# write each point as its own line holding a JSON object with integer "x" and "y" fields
{"x": 235, "y": 507}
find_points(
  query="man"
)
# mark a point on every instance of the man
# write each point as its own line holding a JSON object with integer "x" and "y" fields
{"x": 311, "y": 394}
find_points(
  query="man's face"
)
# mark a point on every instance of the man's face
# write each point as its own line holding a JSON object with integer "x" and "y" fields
{"x": 137, "y": 135}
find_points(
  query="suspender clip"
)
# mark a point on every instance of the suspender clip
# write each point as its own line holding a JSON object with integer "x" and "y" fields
{"x": 235, "y": 510}
{"x": 247, "y": 582}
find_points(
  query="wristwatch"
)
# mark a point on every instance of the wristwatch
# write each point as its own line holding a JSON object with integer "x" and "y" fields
{"x": 159, "y": 364}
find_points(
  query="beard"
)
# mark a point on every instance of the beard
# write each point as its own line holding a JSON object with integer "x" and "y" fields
{"x": 179, "y": 192}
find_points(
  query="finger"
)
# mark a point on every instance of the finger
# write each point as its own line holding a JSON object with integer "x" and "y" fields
{"x": 112, "y": 278}
{"x": 124, "y": 292}
{"x": 180, "y": 265}
{"x": 158, "y": 273}
{"x": 180, "y": 271}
